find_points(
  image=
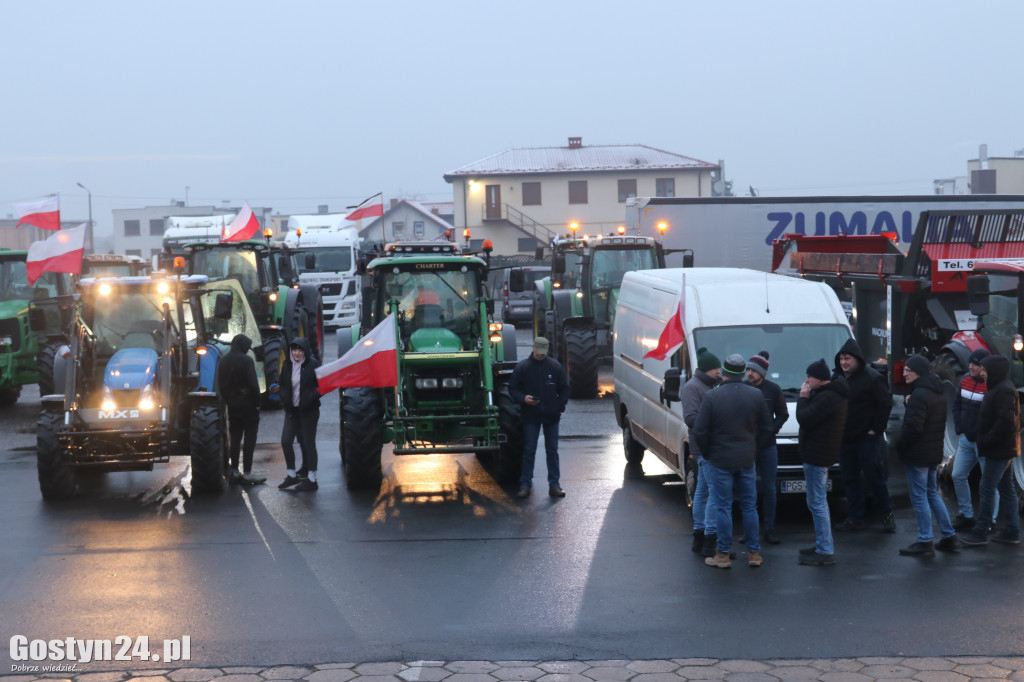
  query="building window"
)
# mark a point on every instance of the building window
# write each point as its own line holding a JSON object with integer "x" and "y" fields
{"x": 156, "y": 227}
{"x": 417, "y": 228}
{"x": 133, "y": 228}
{"x": 531, "y": 194}
{"x": 577, "y": 191}
{"x": 132, "y": 252}
{"x": 665, "y": 187}
{"x": 398, "y": 229}
{"x": 527, "y": 245}
{"x": 627, "y": 190}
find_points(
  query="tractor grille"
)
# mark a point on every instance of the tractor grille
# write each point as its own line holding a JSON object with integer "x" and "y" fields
{"x": 11, "y": 328}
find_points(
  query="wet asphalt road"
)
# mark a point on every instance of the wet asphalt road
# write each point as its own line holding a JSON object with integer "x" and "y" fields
{"x": 444, "y": 564}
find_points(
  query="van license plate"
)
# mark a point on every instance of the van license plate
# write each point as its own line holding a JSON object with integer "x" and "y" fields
{"x": 800, "y": 486}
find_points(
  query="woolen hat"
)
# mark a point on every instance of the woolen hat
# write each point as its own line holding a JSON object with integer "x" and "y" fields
{"x": 735, "y": 364}
{"x": 706, "y": 360}
{"x": 977, "y": 355}
{"x": 918, "y": 365}
{"x": 759, "y": 363}
{"x": 819, "y": 370}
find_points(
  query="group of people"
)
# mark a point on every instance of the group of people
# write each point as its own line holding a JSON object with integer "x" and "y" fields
{"x": 733, "y": 413}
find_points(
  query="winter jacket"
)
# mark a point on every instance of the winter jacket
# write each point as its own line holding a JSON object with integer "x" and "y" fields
{"x": 822, "y": 418}
{"x": 921, "y": 442}
{"x": 543, "y": 379}
{"x": 966, "y": 405}
{"x": 999, "y": 415}
{"x": 691, "y": 397}
{"x": 309, "y": 396}
{"x": 236, "y": 375}
{"x": 777, "y": 409}
{"x": 732, "y": 425}
{"x": 869, "y": 402}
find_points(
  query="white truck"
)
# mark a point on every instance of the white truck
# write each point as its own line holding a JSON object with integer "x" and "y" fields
{"x": 330, "y": 249}
{"x": 181, "y": 230}
{"x": 738, "y": 232}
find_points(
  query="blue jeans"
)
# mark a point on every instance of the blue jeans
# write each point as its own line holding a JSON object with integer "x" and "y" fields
{"x": 767, "y": 467}
{"x": 722, "y": 482}
{"x": 703, "y": 513}
{"x": 966, "y": 458}
{"x": 817, "y": 503}
{"x": 924, "y": 495}
{"x": 531, "y": 433}
{"x": 997, "y": 476}
{"x": 859, "y": 457}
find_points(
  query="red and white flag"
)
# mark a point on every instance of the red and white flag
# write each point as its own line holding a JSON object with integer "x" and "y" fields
{"x": 371, "y": 363}
{"x": 243, "y": 227}
{"x": 43, "y": 214}
{"x": 61, "y": 252}
{"x": 673, "y": 334}
{"x": 370, "y": 208}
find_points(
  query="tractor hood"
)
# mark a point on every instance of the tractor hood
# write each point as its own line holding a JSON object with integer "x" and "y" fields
{"x": 131, "y": 369}
{"x": 11, "y": 309}
{"x": 434, "y": 341}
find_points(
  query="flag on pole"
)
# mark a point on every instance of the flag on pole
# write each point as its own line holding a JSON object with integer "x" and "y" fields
{"x": 61, "y": 252}
{"x": 371, "y": 363}
{"x": 44, "y": 214}
{"x": 243, "y": 227}
{"x": 673, "y": 334}
{"x": 369, "y": 208}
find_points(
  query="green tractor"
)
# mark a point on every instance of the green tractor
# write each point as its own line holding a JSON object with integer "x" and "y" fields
{"x": 283, "y": 308}
{"x": 454, "y": 363}
{"x": 139, "y": 383}
{"x": 575, "y": 306}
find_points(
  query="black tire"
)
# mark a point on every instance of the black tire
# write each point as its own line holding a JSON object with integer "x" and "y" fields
{"x": 57, "y": 478}
{"x": 633, "y": 448}
{"x": 508, "y": 464}
{"x": 581, "y": 362}
{"x": 273, "y": 360}
{"x": 362, "y": 412}
{"x": 46, "y": 358}
{"x": 949, "y": 369}
{"x": 207, "y": 445}
{"x": 9, "y": 396}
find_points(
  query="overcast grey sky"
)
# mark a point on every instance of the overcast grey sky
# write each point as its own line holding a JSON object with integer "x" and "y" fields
{"x": 299, "y": 103}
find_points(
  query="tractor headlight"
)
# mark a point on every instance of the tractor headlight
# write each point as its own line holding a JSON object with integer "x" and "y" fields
{"x": 146, "y": 398}
{"x": 6, "y": 341}
{"x": 107, "y": 399}
{"x": 451, "y": 382}
{"x": 426, "y": 383}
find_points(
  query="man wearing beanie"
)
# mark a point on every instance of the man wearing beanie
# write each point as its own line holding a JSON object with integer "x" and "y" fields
{"x": 692, "y": 395}
{"x": 768, "y": 456}
{"x": 821, "y": 413}
{"x": 870, "y": 403}
{"x": 732, "y": 425}
{"x": 965, "y": 422}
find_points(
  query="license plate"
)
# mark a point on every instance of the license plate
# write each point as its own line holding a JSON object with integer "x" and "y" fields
{"x": 800, "y": 486}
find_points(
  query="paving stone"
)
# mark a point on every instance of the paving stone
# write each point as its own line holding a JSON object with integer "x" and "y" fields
{"x": 516, "y": 664}
{"x": 653, "y": 666}
{"x": 750, "y": 677}
{"x": 695, "y": 661}
{"x": 564, "y": 667}
{"x": 609, "y": 674}
{"x": 101, "y": 677}
{"x": 240, "y": 678}
{"x": 521, "y": 672}
{"x": 21, "y": 678}
{"x": 471, "y": 666}
{"x": 743, "y": 666}
{"x": 242, "y": 670}
{"x": 150, "y": 674}
{"x": 331, "y": 675}
{"x": 887, "y": 671}
{"x": 425, "y": 674}
{"x": 286, "y": 672}
{"x": 469, "y": 677}
{"x": 194, "y": 674}
{"x": 148, "y": 678}
{"x": 613, "y": 663}
{"x": 881, "y": 660}
{"x": 334, "y": 666}
{"x": 380, "y": 678}
{"x": 794, "y": 672}
{"x": 845, "y": 676}
{"x": 842, "y": 665}
{"x": 974, "y": 670}
{"x": 568, "y": 677}
{"x": 940, "y": 676}
{"x": 392, "y": 668}
{"x": 427, "y": 664}
{"x": 656, "y": 677}
{"x": 701, "y": 672}
{"x": 929, "y": 663}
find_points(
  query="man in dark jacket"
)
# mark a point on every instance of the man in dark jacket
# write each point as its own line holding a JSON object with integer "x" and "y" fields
{"x": 240, "y": 390}
{"x": 301, "y": 402}
{"x": 965, "y": 420}
{"x": 998, "y": 444}
{"x": 538, "y": 383}
{"x": 821, "y": 413}
{"x": 732, "y": 425}
{"x": 864, "y": 437}
{"x": 768, "y": 456}
{"x": 919, "y": 447}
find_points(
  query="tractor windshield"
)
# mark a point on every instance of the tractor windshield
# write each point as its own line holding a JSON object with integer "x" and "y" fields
{"x": 14, "y": 281}
{"x": 129, "y": 317}
{"x": 1000, "y": 325}
{"x": 237, "y": 264}
{"x": 610, "y": 265}
{"x": 434, "y": 298}
{"x": 241, "y": 320}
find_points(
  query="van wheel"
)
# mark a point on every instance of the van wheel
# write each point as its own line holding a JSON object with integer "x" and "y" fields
{"x": 634, "y": 450}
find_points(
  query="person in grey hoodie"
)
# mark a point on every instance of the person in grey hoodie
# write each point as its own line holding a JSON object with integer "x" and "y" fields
{"x": 705, "y": 377}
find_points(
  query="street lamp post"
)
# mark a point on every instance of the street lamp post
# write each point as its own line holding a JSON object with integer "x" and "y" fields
{"x": 88, "y": 236}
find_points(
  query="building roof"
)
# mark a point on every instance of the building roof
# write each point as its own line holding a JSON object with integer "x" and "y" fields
{"x": 439, "y": 223}
{"x": 578, "y": 157}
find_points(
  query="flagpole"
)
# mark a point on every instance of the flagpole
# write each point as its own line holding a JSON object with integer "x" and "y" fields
{"x": 383, "y": 232}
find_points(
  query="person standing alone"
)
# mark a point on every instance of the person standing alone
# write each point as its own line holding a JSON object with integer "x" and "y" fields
{"x": 240, "y": 391}
{"x": 301, "y": 401}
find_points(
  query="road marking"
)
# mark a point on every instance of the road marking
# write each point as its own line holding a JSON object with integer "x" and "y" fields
{"x": 252, "y": 513}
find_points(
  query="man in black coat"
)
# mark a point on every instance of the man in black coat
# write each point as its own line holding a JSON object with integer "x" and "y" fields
{"x": 870, "y": 403}
{"x": 919, "y": 447}
{"x": 998, "y": 444}
{"x": 240, "y": 390}
{"x": 301, "y": 401}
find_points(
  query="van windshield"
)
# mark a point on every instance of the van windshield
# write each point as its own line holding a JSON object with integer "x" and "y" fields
{"x": 791, "y": 347}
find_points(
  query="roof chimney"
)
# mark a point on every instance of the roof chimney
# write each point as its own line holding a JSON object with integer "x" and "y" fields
{"x": 394, "y": 202}
{"x": 575, "y": 142}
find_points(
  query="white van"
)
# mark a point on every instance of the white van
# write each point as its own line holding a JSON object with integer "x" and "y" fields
{"x": 728, "y": 311}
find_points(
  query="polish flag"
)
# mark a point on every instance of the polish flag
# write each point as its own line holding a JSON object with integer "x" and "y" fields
{"x": 371, "y": 363}
{"x": 43, "y": 214}
{"x": 370, "y": 208}
{"x": 61, "y": 252}
{"x": 243, "y": 227}
{"x": 672, "y": 335}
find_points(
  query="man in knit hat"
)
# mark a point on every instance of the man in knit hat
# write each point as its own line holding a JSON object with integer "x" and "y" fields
{"x": 732, "y": 425}
{"x": 692, "y": 395}
{"x": 768, "y": 456}
{"x": 965, "y": 421}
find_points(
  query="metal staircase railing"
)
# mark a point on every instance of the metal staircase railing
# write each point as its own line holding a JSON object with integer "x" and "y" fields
{"x": 542, "y": 233}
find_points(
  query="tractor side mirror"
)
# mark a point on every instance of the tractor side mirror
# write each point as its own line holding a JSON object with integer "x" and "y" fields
{"x": 36, "y": 319}
{"x": 516, "y": 280}
{"x": 222, "y": 306}
{"x": 687, "y": 258}
{"x": 310, "y": 261}
{"x": 977, "y": 294}
{"x": 490, "y": 306}
{"x": 670, "y": 387}
{"x": 558, "y": 266}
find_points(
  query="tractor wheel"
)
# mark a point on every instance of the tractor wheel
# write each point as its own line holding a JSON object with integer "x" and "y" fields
{"x": 9, "y": 396}
{"x": 207, "y": 447}
{"x": 45, "y": 359}
{"x": 508, "y": 464}
{"x": 949, "y": 369}
{"x": 581, "y": 362}
{"x": 634, "y": 449}
{"x": 57, "y": 479}
{"x": 362, "y": 413}
{"x": 273, "y": 360}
